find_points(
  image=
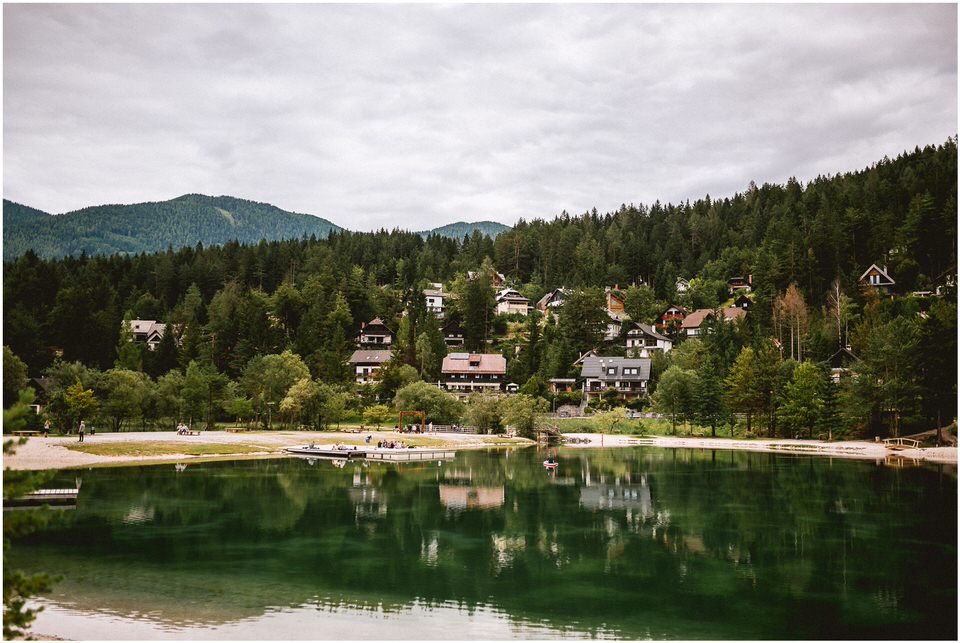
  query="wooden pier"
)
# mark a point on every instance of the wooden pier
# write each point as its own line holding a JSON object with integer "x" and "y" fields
{"x": 59, "y": 498}
{"x": 373, "y": 453}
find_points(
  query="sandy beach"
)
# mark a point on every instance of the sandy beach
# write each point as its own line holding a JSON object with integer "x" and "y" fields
{"x": 52, "y": 453}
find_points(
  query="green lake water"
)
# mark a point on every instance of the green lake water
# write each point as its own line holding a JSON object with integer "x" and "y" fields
{"x": 617, "y": 543}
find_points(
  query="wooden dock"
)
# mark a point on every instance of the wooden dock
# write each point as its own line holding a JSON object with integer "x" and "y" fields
{"x": 60, "y": 498}
{"x": 374, "y": 453}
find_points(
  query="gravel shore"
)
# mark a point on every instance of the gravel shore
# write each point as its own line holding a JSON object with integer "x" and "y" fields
{"x": 52, "y": 453}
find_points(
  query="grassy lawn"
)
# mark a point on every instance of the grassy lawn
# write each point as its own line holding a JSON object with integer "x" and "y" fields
{"x": 139, "y": 449}
{"x": 644, "y": 427}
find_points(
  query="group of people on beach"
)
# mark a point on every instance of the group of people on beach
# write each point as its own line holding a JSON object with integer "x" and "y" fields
{"x": 384, "y": 444}
{"x": 182, "y": 429}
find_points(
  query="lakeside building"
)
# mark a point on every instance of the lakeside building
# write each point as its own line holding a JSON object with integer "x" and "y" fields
{"x": 629, "y": 377}
{"x": 497, "y": 279}
{"x": 374, "y": 334}
{"x": 672, "y": 319}
{"x": 148, "y": 331}
{"x": 465, "y": 373}
{"x": 738, "y": 284}
{"x": 509, "y": 301}
{"x": 643, "y": 341}
{"x": 436, "y": 299}
{"x": 692, "y": 324}
{"x": 682, "y": 285}
{"x": 840, "y": 363}
{"x": 878, "y": 278}
{"x": 367, "y": 362}
{"x": 616, "y": 302}
{"x": 552, "y": 300}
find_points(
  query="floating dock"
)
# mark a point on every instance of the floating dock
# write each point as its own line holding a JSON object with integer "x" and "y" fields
{"x": 374, "y": 453}
{"x": 58, "y": 498}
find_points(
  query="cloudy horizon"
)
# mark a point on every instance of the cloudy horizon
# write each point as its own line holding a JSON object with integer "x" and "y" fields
{"x": 415, "y": 116}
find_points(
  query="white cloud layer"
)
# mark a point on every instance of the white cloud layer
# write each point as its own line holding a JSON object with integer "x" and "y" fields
{"x": 417, "y": 115}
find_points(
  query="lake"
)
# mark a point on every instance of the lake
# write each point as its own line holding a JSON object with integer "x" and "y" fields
{"x": 615, "y": 543}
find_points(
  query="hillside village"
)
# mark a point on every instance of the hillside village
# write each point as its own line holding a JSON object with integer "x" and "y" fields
{"x": 762, "y": 314}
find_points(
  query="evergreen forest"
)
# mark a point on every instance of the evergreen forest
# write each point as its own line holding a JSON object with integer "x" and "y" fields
{"x": 254, "y": 314}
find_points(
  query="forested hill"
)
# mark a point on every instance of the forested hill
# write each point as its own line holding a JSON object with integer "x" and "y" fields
{"x": 461, "y": 229}
{"x": 153, "y": 226}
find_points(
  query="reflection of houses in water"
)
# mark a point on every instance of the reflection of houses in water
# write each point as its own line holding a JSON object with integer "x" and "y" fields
{"x": 505, "y": 550}
{"x": 367, "y": 500}
{"x": 634, "y": 497}
{"x": 463, "y": 497}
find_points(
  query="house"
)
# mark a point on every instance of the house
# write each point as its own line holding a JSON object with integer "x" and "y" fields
{"x": 512, "y": 388}
{"x": 614, "y": 326}
{"x": 627, "y": 376}
{"x": 738, "y": 284}
{"x": 496, "y": 278}
{"x": 509, "y": 301}
{"x": 465, "y": 373}
{"x": 453, "y": 333}
{"x": 671, "y": 320}
{"x": 561, "y": 384}
{"x": 743, "y": 302}
{"x": 41, "y": 392}
{"x": 682, "y": 285}
{"x": 147, "y": 330}
{"x": 615, "y": 301}
{"x": 643, "y": 340}
{"x": 436, "y": 299}
{"x": 552, "y": 299}
{"x": 375, "y": 334}
{"x": 840, "y": 363}
{"x": 691, "y": 325}
{"x": 878, "y": 278}
{"x": 367, "y": 363}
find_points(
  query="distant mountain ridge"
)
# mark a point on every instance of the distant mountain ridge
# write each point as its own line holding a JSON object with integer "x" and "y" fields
{"x": 461, "y": 229}
{"x": 153, "y": 226}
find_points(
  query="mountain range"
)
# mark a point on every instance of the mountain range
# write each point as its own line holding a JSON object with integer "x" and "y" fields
{"x": 183, "y": 221}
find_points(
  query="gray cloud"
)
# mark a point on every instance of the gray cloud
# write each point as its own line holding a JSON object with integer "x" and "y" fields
{"x": 414, "y": 116}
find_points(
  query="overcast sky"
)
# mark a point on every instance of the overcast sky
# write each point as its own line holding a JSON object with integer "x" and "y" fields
{"x": 415, "y": 116}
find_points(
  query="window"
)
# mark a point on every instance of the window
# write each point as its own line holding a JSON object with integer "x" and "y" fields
{"x": 630, "y": 371}
{"x": 611, "y": 370}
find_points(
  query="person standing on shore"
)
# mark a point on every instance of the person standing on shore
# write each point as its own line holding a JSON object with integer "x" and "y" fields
{"x": 83, "y": 427}
{"x": 46, "y": 428}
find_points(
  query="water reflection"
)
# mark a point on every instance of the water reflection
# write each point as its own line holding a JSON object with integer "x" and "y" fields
{"x": 630, "y": 544}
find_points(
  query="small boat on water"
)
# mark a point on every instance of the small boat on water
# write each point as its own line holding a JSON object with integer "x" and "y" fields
{"x": 550, "y": 464}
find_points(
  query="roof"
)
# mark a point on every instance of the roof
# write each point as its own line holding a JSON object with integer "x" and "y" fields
{"x": 697, "y": 317}
{"x": 596, "y": 368}
{"x": 512, "y": 295}
{"x": 435, "y": 293}
{"x": 883, "y": 273}
{"x": 477, "y": 363}
{"x": 370, "y": 357}
{"x": 675, "y": 307}
{"x": 147, "y": 326}
{"x": 646, "y": 329}
{"x": 374, "y": 324}
{"x": 842, "y": 357}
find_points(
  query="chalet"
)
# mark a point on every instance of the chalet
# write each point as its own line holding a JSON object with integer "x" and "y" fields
{"x": 552, "y": 299}
{"x": 496, "y": 278}
{"x": 41, "y": 392}
{"x": 465, "y": 373}
{"x": 693, "y": 322}
{"x": 561, "y": 384}
{"x": 615, "y": 302}
{"x": 453, "y": 333}
{"x": 627, "y": 376}
{"x": 436, "y": 299}
{"x": 614, "y": 326}
{"x": 148, "y": 331}
{"x": 375, "y": 334}
{"x": 878, "y": 278}
{"x": 367, "y": 363}
{"x": 671, "y": 320}
{"x": 644, "y": 341}
{"x": 509, "y": 301}
{"x": 740, "y": 284}
{"x": 682, "y": 285}
{"x": 743, "y": 302}
{"x": 840, "y": 363}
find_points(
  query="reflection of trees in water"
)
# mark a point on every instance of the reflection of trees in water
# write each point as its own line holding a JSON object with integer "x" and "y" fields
{"x": 636, "y": 540}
